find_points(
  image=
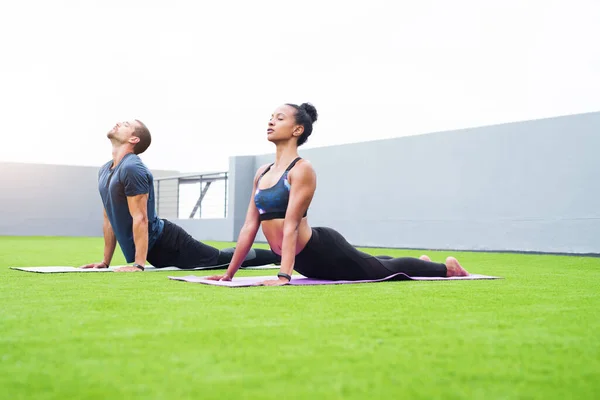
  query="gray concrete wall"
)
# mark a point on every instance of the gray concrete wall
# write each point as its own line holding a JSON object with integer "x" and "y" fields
{"x": 51, "y": 200}
{"x": 208, "y": 229}
{"x": 526, "y": 186}
{"x": 241, "y": 180}
{"x": 167, "y": 198}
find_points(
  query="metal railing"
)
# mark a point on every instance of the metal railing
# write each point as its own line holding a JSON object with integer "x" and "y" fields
{"x": 191, "y": 196}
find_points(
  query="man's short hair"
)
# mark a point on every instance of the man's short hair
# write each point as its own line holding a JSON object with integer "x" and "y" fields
{"x": 143, "y": 133}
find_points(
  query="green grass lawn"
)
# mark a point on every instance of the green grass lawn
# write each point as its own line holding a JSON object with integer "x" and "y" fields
{"x": 533, "y": 334}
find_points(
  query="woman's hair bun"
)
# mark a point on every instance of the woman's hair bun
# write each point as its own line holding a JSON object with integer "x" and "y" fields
{"x": 310, "y": 110}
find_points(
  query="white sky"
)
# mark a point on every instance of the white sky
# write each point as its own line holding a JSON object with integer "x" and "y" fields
{"x": 205, "y": 75}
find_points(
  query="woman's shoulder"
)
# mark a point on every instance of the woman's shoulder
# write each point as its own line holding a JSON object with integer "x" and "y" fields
{"x": 262, "y": 169}
{"x": 304, "y": 164}
{"x": 303, "y": 169}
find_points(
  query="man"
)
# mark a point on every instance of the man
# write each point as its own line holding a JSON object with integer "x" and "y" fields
{"x": 126, "y": 187}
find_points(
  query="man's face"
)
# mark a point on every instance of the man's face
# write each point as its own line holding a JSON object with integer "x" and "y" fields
{"x": 123, "y": 131}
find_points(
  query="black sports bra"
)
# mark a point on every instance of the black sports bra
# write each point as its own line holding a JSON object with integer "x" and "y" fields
{"x": 272, "y": 202}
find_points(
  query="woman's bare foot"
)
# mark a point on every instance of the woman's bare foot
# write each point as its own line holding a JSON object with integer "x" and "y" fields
{"x": 453, "y": 268}
{"x": 425, "y": 258}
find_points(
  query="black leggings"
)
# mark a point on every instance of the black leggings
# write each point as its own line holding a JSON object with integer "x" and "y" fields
{"x": 177, "y": 248}
{"x": 328, "y": 255}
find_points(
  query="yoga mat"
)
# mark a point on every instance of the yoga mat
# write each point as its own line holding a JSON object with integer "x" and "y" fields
{"x": 299, "y": 281}
{"x": 149, "y": 268}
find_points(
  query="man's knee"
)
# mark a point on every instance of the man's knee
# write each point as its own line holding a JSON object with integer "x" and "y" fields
{"x": 250, "y": 256}
{"x": 230, "y": 250}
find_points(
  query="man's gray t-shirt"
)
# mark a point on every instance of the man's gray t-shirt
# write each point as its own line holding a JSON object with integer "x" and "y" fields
{"x": 129, "y": 178}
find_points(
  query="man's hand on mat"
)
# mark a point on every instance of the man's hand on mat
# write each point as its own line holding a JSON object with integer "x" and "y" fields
{"x": 95, "y": 265}
{"x": 218, "y": 278}
{"x": 128, "y": 269}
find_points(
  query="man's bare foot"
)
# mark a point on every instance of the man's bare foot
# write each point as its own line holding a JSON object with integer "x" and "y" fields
{"x": 453, "y": 268}
{"x": 425, "y": 258}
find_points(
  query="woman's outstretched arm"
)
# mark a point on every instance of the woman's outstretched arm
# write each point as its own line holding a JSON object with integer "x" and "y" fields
{"x": 303, "y": 182}
{"x": 246, "y": 236}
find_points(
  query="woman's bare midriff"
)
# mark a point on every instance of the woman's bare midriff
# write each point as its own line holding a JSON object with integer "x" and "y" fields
{"x": 273, "y": 231}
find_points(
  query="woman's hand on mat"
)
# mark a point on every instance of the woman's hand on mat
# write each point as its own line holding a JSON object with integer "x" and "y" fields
{"x": 218, "y": 278}
{"x": 274, "y": 282}
{"x": 95, "y": 265}
{"x": 128, "y": 269}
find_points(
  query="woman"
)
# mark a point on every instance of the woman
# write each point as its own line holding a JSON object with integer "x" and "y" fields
{"x": 282, "y": 195}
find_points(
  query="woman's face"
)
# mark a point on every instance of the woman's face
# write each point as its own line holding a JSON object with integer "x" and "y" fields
{"x": 282, "y": 125}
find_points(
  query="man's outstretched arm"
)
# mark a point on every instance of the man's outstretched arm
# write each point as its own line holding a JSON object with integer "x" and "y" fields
{"x": 110, "y": 243}
{"x": 138, "y": 208}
